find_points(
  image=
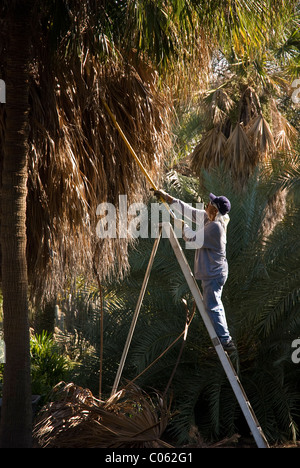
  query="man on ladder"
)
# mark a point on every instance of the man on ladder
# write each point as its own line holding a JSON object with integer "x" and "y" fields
{"x": 222, "y": 207}
{"x": 210, "y": 266}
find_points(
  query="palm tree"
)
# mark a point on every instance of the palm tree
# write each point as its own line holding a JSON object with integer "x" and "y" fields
{"x": 83, "y": 57}
{"x": 16, "y": 417}
{"x": 55, "y": 133}
{"x": 252, "y": 73}
{"x": 75, "y": 156}
{"x": 239, "y": 134}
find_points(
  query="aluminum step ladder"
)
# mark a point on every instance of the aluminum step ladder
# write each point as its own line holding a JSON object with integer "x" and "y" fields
{"x": 228, "y": 367}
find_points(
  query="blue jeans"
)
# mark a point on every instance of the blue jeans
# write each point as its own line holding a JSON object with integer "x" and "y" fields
{"x": 212, "y": 292}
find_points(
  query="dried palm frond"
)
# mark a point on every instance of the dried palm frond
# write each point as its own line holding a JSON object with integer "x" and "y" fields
{"x": 249, "y": 105}
{"x": 219, "y": 116}
{"x": 285, "y": 134}
{"x": 76, "y": 419}
{"x": 239, "y": 154}
{"x": 222, "y": 99}
{"x": 242, "y": 148}
{"x": 78, "y": 160}
{"x": 210, "y": 151}
{"x": 218, "y": 104}
{"x": 261, "y": 136}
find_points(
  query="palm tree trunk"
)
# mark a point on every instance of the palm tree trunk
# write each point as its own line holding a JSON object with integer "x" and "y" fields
{"x": 16, "y": 412}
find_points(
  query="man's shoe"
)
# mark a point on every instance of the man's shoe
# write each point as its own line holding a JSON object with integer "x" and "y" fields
{"x": 230, "y": 346}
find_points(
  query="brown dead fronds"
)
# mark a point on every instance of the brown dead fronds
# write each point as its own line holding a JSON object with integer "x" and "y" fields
{"x": 76, "y": 419}
{"x": 239, "y": 132}
{"x": 239, "y": 154}
{"x": 76, "y": 157}
{"x": 77, "y": 160}
{"x": 210, "y": 151}
{"x": 262, "y": 138}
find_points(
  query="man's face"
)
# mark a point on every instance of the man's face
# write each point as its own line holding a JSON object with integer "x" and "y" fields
{"x": 211, "y": 211}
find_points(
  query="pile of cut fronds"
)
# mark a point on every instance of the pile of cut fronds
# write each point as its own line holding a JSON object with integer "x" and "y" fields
{"x": 76, "y": 419}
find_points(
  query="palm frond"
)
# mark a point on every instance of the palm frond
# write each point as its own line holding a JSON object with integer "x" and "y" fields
{"x": 81, "y": 148}
{"x": 210, "y": 151}
{"x": 239, "y": 154}
{"x": 76, "y": 419}
{"x": 285, "y": 135}
{"x": 260, "y": 133}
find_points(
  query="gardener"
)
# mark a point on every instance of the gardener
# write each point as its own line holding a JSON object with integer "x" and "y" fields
{"x": 211, "y": 265}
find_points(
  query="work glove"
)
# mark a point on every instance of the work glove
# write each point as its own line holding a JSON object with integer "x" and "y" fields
{"x": 160, "y": 194}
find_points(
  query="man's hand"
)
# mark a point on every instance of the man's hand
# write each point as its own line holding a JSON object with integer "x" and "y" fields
{"x": 161, "y": 194}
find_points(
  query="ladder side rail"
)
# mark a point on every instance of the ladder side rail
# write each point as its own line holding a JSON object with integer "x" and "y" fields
{"x": 136, "y": 314}
{"x": 223, "y": 356}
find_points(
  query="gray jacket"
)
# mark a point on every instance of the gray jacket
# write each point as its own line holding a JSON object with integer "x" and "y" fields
{"x": 210, "y": 256}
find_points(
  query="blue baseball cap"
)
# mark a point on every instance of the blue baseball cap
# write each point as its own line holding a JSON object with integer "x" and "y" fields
{"x": 222, "y": 203}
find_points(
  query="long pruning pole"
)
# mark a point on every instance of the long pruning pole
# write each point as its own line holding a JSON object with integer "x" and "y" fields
{"x": 131, "y": 150}
{"x": 133, "y": 153}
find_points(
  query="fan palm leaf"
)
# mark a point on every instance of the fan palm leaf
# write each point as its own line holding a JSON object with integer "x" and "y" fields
{"x": 260, "y": 133}
{"x": 210, "y": 151}
{"x": 74, "y": 148}
{"x": 239, "y": 154}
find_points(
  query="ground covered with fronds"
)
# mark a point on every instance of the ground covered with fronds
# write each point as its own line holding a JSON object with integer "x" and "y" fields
{"x": 76, "y": 419}
{"x": 129, "y": 419}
